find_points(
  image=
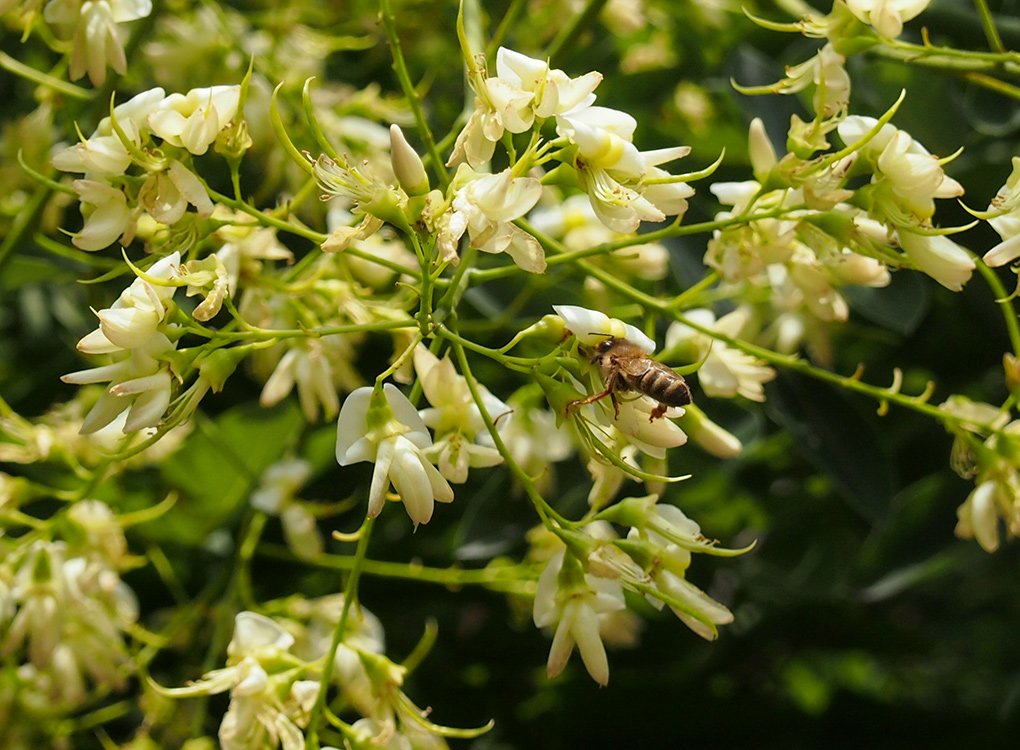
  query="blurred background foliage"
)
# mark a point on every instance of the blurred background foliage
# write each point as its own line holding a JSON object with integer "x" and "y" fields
{"x": 860, "y": 619}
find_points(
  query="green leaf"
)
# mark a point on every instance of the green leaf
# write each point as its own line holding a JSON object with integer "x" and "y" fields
{"x": 220, "y": 464}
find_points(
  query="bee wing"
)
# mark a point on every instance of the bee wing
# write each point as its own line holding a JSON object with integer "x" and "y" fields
{"x": 635, "y": 367}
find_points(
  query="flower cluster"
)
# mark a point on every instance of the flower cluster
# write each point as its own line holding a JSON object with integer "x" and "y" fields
{"x": 275, "y": 670}
{"x": 126, "y": 174}
{"x": 381, "y": 425}
{"x": 135, "y": 331}
{"x": 65, "y": 612}
{"x": 986, "y": 450}
{"x": 789, "y": 269}
{"x": 624, "y": 186}
{"x": 582, "y": 586}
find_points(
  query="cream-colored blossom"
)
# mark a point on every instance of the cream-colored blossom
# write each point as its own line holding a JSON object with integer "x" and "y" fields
{"x": 725, "y": 372}
{"x": 193, "y": 120}
{"x": 485, "y": 208}
{"x": 383, "y": 427}
{"x": 1004, "y": 217}
{"x": 572, "y": 601}
{"x": 887, "y": 16}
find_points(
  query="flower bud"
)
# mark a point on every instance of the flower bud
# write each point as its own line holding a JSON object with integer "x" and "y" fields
{"x": 710, "y": 436}
{"x": 220, "y": 365}
{"x": 407, "y": 165}
{"x": 763, "y": 155}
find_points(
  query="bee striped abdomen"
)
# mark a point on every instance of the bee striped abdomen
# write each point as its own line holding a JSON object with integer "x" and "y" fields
{"x": 664, "y": 385}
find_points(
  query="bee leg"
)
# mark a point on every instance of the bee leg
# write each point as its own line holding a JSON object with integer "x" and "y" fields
{"x": 616, "y": 405}
{"x": 609, "y": 390}
{"x": 578, "y": 403}
{"x": 657, "y": 412}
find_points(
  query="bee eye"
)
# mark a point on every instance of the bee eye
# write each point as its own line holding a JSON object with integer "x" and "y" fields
{"x": 604, "y": 346}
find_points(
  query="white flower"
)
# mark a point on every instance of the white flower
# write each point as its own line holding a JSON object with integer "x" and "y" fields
{"x": 268, "y": 705}
{"x": 913, "y": 176}
{"x": 573, "y": 601}
{"x": 138, "y": 312}
{"x": 725, "y": 372}
{"x": 592, "y": 327}
{"x": 674, "y": 536}
{"x": 522, "y": 89}
{"x": 535, "y": 441}
{"x": 634, "y": 421}
{"x": 64, "y": 616}
{"x": 107, "y": 216}
{"x": 383, "y": 427}
{"x": 193, "y": 120}
{"x": 712, "y": 438}
{"x": 1005, "y": 219}
{"x": 625, "y": 186}
{"x": 978, "y": 517}
{"x": 166, "y": 194}
{"x": 275, "y": 495}
{"x": 309, "y": 365}
{"x": 997, "y": 492}
{"x": 939, "y": 257}
{"x": 554, "y": 92}
{"x": 95, "y": 43}
{"x": 485, "y": 208}
{"x": 886, "y": 16}
{"x": 827, "y": 72}
{"x": 140, "y": 384}
{"x": 456, "y": 418}
{"x": 100, "y": 156}
{"x": 104, "y": 155}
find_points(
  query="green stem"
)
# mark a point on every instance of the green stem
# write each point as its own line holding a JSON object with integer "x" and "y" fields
{"x": 988, "y": 24}
{"x": 18, "y": 68}
{"x": 512, "y": 579}
{"x": 546, "y": 512}
{"x": 25, "y": 222}
{"x": 266, "y": 218}
{"x": 400, "y": 68}
{"x": 350, "y": 595}
{"x": 788, "y": 362}
{"x": 1005, "y": 302}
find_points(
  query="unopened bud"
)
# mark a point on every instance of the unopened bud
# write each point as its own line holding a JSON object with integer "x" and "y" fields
{"x": 763, "y": 155}
{"x": 709, "y": 435}
{"x": 407, "y": 165}
{"x": 1011, "y": 367}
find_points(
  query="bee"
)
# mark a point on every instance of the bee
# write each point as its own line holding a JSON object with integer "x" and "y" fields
{"x": 626, "y": 367}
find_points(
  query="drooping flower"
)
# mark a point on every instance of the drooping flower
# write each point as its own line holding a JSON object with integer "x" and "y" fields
{"x": 1004, "y": 217}
{"x": 625, "y": 186}
{"x": 92, "y": 27}
{"x": 269, "y": 706}
{"x": 132, "y": 329}
{"x": 275, "y": 496}
{"x": 906, "y": 178}
{"x": 381, "y": 425}
{"x": 939, "y": 257}
{"x": 572, "y": 601}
